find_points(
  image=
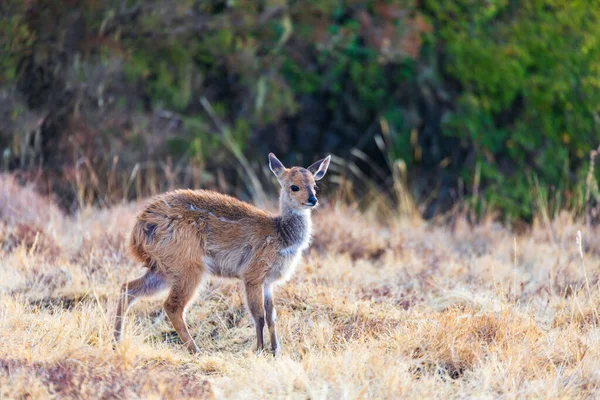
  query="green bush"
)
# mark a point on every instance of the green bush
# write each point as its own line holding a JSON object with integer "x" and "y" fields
{"x": 530, "y": 92}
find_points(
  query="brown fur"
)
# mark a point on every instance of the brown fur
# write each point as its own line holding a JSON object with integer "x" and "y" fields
{"x": 182, "y": 235}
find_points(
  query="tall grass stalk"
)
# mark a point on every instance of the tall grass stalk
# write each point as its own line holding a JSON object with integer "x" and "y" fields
{"x": 254, "y": 185}
{"x": 593, "y": 307}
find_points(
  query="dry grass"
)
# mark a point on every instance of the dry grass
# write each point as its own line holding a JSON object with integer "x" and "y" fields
{"x": 402, "y": 311}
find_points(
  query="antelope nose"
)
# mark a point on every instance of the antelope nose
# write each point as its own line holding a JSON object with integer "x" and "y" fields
{"x": 312, "y": 201}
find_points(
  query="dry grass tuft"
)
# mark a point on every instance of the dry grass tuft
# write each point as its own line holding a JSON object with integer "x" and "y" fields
{"x": 93, "y": 378}
{"x": 457, "y": 339}
{"x": 580, "y": 313}
{"x": 346, "y": 231}
{"x": 20, "y": 204}
{"x": 32, "y": 238}
{"x": 401, "y": 310}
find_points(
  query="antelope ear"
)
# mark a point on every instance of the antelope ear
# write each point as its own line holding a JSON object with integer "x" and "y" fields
{"x": 275, "y": 165}
{"x": 319, "y": 168}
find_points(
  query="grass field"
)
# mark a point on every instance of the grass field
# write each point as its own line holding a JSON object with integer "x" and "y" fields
{"x": 405, "y": 310}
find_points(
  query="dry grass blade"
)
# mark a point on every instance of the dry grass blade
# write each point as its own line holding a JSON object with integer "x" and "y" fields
{"x": 258, "y": 193}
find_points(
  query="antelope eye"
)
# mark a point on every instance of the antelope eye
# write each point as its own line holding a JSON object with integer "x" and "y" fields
{"x": 295, "y": 188}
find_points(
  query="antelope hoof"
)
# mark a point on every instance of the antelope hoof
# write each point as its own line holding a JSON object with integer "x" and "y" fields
{"x": 277, "y": 352}
{"x": 194, "y": 349}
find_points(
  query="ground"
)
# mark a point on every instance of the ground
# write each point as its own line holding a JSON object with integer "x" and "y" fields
{"x": 405, "y": 309}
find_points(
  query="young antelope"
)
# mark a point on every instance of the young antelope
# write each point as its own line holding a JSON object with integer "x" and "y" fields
{"x": 184, "y": 234}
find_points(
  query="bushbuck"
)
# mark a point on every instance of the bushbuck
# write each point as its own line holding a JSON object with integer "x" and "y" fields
{"x": 182, "y": 235}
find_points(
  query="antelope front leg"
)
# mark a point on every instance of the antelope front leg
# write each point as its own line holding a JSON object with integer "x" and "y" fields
{"x": 254, "y": 297}
{"x": 271, "y": 314}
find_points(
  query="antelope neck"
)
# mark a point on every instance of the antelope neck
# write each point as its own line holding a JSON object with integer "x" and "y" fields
{"x": 293, "y": 227}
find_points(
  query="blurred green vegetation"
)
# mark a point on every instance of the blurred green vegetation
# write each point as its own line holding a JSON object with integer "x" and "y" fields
{"x": 529, "y": 76}
{"x": 496, "y": 101}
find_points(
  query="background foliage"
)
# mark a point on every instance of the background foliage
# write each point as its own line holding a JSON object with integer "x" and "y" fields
{"x": 495, "y": 101}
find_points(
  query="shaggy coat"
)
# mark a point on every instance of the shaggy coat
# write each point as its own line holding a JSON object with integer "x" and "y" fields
{"x": 182, "y": 235}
